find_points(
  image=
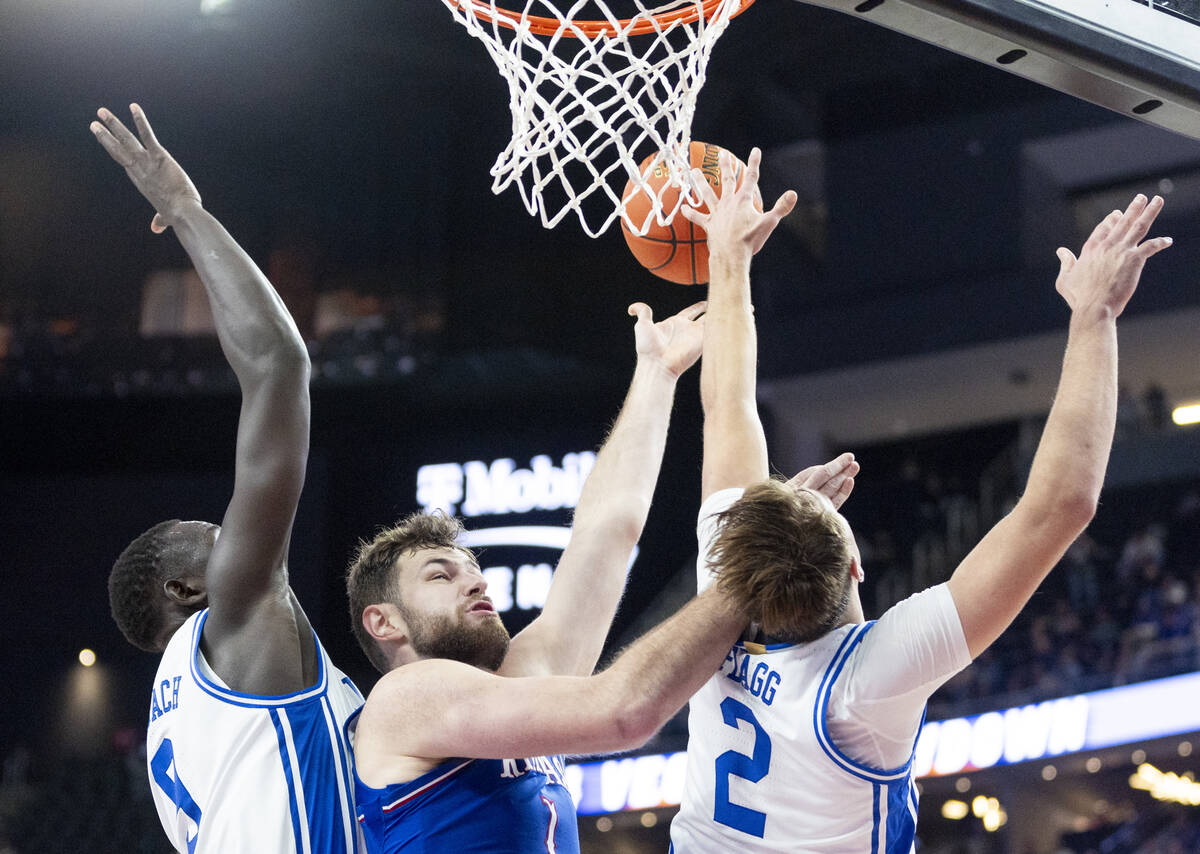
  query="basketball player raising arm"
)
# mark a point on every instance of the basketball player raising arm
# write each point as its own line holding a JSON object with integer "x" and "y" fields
{"x": 244, "y": 744}
{"x": 840, "y": 699}
{"x": 457, "y": 692}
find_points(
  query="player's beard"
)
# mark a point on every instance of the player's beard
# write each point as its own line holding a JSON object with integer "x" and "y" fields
{"x": 481, "y": 645}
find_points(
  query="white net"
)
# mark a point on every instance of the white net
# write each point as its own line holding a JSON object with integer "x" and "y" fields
{"x": 592, "y": 94}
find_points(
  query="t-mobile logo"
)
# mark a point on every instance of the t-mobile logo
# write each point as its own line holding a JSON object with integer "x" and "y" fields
{"x": 482, "y": 489}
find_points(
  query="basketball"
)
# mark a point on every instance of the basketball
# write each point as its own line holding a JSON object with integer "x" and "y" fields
{"x": 678, "y": 251}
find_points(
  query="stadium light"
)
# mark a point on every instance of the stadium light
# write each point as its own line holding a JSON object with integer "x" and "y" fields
{"x": 86, "y": 657}
{"x": 1188, "y": 414}
{"x": 1166, "y": 786}
{"x": 954, "y": 810}
{"x": 217, "y": 7}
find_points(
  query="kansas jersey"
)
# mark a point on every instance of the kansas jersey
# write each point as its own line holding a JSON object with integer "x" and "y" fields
{"x": 497, "y": 806}
{"x": 779, "y": 737}
{"x": 236, "y": 772}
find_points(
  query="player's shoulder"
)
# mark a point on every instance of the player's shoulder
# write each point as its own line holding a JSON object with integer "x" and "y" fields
{"x": 931, "y": 600}
{"x": 421, "y": 679}
{"x": 719, "y": 501}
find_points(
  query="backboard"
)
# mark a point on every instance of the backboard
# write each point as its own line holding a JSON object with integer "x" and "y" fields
{"x": 1140, "y": 58}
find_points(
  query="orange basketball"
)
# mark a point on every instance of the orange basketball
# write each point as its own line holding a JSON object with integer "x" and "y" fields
{"x": 678, "y": 251}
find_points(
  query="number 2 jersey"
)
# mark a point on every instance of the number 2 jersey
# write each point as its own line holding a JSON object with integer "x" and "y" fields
{"x": 808, "y": 747}
{"x": 237, "y": 772}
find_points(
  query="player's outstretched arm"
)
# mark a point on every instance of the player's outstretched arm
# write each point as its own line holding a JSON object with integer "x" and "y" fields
{"x": 568, "y": 636}
{"x": 735, "y": 449}
{"x": 438, "y": 708}
{"x": 1000, "y": 574}
{"x": 269, "y": 358}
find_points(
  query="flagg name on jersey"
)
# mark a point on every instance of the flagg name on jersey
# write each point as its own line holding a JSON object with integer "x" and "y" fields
{"x": 756, "y": 676}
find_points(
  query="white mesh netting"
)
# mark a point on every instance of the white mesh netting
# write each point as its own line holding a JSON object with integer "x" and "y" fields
{"x": 587, "y": 109}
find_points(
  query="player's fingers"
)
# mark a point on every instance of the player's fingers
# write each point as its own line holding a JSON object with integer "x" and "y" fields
{"x": 118, "y": 130}
{"x": 1153, "y": 247}
{"x": 158, "y": 225}
{"x": 838, "y": 463}
{"x": 641, "y": 311}
{"x": 143, "y": 126}
{"x": 1066, "y": 263}
{"x": 752, "y": 167}
{"x": 804, "y": 476}
{"x": 110, "y": 144}
{"x": 694, "y": 310}
{"x": 704, "y": 191}
{"x": 1102, "y": 229}
{"x": 694, "y": 216}
{"x": 785, "y": 204}
{"x": 1140, "y": 227}
{"x": 844, "y": 490}
{"x": 1123, "y": 225}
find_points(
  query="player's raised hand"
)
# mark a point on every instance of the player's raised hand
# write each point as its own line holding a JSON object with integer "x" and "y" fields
{"x": 673, "y": 343}
{"x": 153, "y": 171}
{"x": 834, "y": 479}
{"x": 733, "y": 223}
{"x": 1110, "y": 263}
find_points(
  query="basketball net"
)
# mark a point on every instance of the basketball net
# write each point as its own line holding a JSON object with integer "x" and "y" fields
{"x": 588, "y": 95}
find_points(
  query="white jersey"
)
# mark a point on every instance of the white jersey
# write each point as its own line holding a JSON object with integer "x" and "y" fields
{"x": 235, "y": 772}
{"x": 808, "y": 747}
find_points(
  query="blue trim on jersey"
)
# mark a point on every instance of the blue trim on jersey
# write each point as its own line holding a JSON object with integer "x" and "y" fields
{"x": 239, "y": 698}
{"x": 293, "y": 806}
{"x": 343, "y": 750}
{"x": 317, "y": 750}
{"x": 832, "y": 672}
{"x": 901, "y": 827}
{"x": 875, "y": 818}
{"x": 346, "y": 681}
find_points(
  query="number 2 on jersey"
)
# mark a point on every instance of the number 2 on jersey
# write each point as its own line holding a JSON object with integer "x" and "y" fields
{"x": 163, "y": 759}
{"x": 750, "y": 768}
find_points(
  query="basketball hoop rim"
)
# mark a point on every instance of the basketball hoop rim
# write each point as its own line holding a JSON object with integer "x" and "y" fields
{"x": 637, "y": 25}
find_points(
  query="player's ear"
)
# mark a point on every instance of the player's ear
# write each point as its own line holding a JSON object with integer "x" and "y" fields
{"x": 856, "y": 571}
{"x": 188, "y": 591}
{"x": 384, "y": 622}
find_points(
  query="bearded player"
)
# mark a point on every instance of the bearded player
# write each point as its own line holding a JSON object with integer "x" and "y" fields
{"x": 803, "y": 741}
{"x": 245, "y": 745}
{"x": 459, "y": 745}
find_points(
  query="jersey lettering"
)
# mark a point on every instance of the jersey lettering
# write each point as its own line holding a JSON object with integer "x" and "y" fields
{"x": 161, "y": 701}
{"x": 750, "y": 768}
{"x": 162, "y": 768}
{"x": 551, "y": 846}
{"x": 760, "y": 680}
{"x": 550, "y": 766}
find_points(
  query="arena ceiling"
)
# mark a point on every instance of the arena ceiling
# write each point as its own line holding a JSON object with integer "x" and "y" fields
{"x": 368, "y": 127}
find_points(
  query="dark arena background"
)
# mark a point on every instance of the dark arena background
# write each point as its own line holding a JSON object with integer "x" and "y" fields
{"x": 906, "y": 312}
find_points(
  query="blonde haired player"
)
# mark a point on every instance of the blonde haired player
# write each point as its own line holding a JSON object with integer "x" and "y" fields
{"x": 804, "y": 743}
